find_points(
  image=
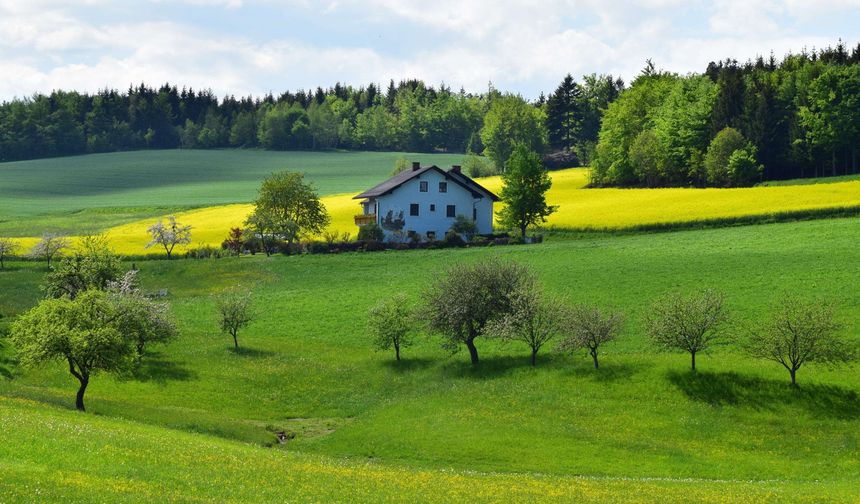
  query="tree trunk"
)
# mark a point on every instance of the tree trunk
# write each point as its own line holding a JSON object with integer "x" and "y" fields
{"x": 473, "y": 352}
{"x": 235, "y": 341}
{"x": 853, "y": 159}
{"x": 793, "y": 373}
{"x": 534, "y": 356}
{"x": 79, "y": 399}
{"x": 594, "y": 356}
{"x": 397, "y": 352}
{"x": 693, "y": 360}
{"x": 523, "y": 231}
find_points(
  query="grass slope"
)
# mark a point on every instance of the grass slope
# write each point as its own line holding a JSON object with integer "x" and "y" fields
{"x": 306, "y": 365}
{"x": 53, "y": 455}
{"x": 93, "y": 192}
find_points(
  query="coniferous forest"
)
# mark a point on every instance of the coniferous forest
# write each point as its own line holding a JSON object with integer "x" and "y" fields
{"x": 733, "y": 125}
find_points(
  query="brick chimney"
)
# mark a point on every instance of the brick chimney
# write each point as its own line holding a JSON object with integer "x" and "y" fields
{"x": 455, "y": 168}
{"x": 416, "y": 166}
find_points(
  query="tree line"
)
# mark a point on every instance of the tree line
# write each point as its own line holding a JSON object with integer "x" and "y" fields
{"x": 407, "y": 116}
{"x": 503, "y": 300}
{"x": 736, "y": 124}
{"x": 733, "y": 125}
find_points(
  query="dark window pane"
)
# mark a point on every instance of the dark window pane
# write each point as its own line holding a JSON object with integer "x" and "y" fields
{"x": 452, "y": 211}
{"x": 413, "y": 209}
{"x": 422, "y": 186}
{"x": 443, "y": 186}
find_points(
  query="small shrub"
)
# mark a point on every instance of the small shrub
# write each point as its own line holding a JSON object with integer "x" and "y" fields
{"x": 317, "y": 247}
{"x": 370, "y": 233}
{"x": 453, "y": 239}
{"x": 465, "y": 226}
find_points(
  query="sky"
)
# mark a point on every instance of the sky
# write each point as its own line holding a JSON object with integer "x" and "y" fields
{"x": 246, "y": 47}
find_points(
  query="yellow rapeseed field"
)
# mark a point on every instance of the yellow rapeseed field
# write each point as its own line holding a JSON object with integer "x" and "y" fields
{"x": 578, "y": 208}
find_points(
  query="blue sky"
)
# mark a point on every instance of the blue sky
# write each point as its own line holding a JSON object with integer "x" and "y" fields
{"x": 247, "y": 46}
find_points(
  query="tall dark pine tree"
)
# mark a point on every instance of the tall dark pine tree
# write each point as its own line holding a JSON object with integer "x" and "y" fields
{"x": 564, "y": 114}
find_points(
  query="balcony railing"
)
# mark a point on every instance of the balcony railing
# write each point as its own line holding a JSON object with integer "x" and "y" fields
{"x": 365, "y": 219}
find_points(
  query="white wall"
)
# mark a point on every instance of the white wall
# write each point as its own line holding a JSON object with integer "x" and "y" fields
{"x": 437, "y": 220}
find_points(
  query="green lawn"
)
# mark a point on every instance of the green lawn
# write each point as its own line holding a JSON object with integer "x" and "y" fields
{"x": 306, "y": 367}
{"x": 93, "y": 192}
{"x": 54, "y": 455}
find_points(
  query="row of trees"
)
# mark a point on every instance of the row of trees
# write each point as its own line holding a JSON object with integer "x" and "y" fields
{"x": 409, "y": 116}
{"x": 503, "y": 300}
{"x": 735, "y": 124}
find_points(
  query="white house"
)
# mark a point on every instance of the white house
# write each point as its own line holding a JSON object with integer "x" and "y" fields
{"x": 426, "y": 200}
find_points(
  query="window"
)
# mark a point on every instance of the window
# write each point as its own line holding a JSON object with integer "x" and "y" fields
{"x": 413, "y": 209}
{"x": 431, "y": 235}
{"x": 432, "y": 207}
{"x": 443, "y": 186}
{"x": 451, "y": 211}
{"x": 422, "y": 186}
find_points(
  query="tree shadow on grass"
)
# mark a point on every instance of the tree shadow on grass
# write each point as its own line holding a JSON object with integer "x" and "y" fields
{"x": 490, "y": 367}
{"x": 157, "y": 368}
{"x": 608, "y": 371}
{"x": 406, "y": 365}
{"x": 7, "y": 361}
{"x": 251, "y": 352}
{"x": 733, "y": 389}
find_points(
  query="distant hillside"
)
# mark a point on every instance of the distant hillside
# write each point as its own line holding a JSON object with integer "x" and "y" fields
{"x": 102, "y": 190}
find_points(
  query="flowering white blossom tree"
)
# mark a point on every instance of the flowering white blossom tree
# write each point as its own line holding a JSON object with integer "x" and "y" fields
{"x": 169, "y": 235}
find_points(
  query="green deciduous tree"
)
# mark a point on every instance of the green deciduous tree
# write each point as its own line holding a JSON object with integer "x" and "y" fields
{"x": 533, "y": 319}
{"x": 140, "y": 320}
{"x": 688, "y": 323}
{"x": 589, "y": 327}
{"x": 727, "y": 141}
{"x": 625, "y": 118}
{"x": 511, "y": 121}
{"x": 646, "y": 159}
{"x": 459, "y": 304}
{"x": 682, "y": 124}
{"x": 799, "y": 332}
{"x": 93, "y": 265}
{"x": 526, "y": 183}
{"x": 390, "y": 323}
{"x": 82, "y": 333}
{"x": 234, "y": 312}
{"x": 292, "y": 205}
{"x": 743, "y": 168}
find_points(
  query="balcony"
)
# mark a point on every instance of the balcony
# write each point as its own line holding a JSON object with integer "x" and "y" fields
{"x": 365, "y": 219}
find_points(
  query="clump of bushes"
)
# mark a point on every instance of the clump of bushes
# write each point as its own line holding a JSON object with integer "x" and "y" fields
{"x": 479, "y": 166}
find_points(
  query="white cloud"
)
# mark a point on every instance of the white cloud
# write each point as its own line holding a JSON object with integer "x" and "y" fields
{"x": 47, "y": 44}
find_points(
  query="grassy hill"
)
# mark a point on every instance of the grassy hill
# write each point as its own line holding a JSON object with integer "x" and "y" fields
{"x": 130, "y": 462}
{"x": 642, "y": 426}
{"x": 94, "y": 192}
